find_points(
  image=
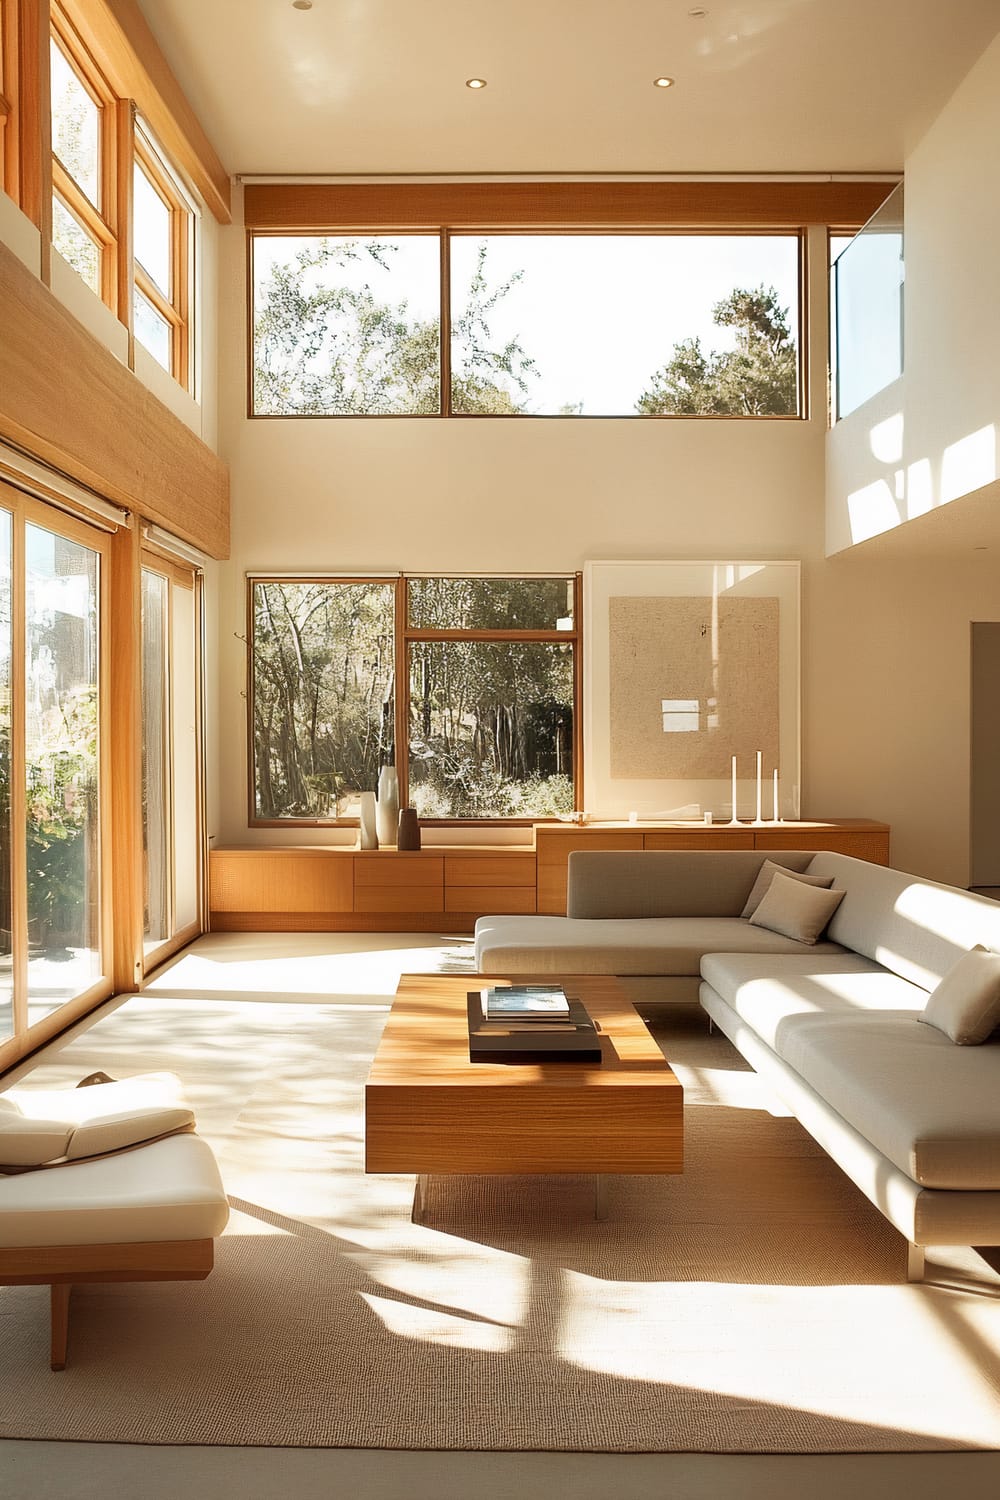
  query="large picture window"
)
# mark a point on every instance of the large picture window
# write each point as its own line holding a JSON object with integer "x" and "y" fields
{"x": 521, "y": 324}
{"x": 469, "y": 685}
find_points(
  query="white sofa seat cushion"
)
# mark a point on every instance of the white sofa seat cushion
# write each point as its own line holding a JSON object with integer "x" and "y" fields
{"x": 626, "y": 945}
{"x": 42, "y": 1125}
{"x": 927, "y": 1105}
{"x": 169, "y": 1190}
{"x": 766, "y": 991}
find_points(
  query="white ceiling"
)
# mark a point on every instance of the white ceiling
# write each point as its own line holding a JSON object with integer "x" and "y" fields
{"x": 378, "y": 86}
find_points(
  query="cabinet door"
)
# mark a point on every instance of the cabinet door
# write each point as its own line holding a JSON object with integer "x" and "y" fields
{"x": 270, "y": 880}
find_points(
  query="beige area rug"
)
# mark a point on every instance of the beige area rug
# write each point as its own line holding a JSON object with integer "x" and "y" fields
{"x": 755, "y": 1304}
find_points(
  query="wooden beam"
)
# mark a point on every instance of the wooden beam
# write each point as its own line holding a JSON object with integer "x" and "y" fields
{"x": 67, "y": 400}
{"x": 561, "y": 205}
{"x": 127, "y": 52}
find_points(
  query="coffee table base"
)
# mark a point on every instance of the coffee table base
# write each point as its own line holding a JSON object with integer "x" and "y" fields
{"x": 418, "y": 1214}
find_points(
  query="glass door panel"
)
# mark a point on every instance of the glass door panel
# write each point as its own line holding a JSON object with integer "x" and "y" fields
{"x": 6, "y": 897}
{"x": 61, "y": 754}
{"x": 155, "y": 760}
{"x": 185, "y": 757}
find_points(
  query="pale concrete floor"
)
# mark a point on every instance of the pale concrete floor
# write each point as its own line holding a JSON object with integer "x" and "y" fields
{"x": 86, "y": 1471}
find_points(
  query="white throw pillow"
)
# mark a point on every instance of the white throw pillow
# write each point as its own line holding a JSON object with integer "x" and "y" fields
{"x": 966, "y": 1004}
{"x": 766, "y": 874}
{"x": 796, "y": 910}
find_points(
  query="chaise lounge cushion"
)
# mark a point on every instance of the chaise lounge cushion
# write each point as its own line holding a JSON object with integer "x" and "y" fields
{"x": 169, "y": 1190}
{"x": 44, "y": 1125}
{"x": 605, "y": 945}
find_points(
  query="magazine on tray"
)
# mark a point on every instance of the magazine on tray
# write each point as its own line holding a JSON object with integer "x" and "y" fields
{"x": 525, "y": 1002}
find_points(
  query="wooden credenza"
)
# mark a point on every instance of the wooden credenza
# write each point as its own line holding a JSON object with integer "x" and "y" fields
{"x": 353, "y": 890}
{"x": 448, "y": 886}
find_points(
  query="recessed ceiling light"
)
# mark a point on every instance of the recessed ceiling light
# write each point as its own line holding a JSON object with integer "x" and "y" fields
{"x": 302, "y": 4}
{"x": 475, "y": 83}
{"x": 663, "y": 83}
{"x": 698, "y": 12}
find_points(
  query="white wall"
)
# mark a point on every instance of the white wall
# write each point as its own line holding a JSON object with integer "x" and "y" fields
{"x": 934, "y": 436}
{"x": 425, "y": 493}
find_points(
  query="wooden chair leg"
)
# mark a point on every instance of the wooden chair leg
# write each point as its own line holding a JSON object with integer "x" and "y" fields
{"x": 60, "y": 1323}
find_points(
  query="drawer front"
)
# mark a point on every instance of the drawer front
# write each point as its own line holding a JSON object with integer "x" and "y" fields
{"x": 871, "y": 845}
{"x": 399, "y": 898}
{"x": 489, "y": 869}
{"x": 489, "y": 900}
{"x": 415, "y": 869}
{"x": 278, "y": 882}
{"x": 701, "y": 838}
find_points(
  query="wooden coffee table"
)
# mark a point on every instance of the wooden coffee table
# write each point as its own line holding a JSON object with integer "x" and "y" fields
{"x": 429, "y": 1110}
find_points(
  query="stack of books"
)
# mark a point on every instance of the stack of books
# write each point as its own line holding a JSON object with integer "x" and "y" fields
{"x": 530, "y": 1023}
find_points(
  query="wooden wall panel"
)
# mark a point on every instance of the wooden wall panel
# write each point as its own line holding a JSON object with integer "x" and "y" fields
{"x": 67, "y": 400}
{"x": 474, "y": 205}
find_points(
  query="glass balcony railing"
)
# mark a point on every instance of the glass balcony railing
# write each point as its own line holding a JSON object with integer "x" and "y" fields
{"x": 867, "y": 309}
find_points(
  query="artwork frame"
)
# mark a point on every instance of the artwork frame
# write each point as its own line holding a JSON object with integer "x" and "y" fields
{"x": 685, "y": 664}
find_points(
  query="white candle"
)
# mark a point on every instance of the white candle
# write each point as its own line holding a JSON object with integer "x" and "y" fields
{"x": 776, "y": 817}
{"x": 760, "y": 758}
{"x": 734, "y": 818}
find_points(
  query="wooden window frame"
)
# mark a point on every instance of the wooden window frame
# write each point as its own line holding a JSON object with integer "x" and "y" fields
{"x": 175, "y": 310}
{"x": 446, "y": 233}
{"x": 406, "y": 635}
{"x": 24, "y": 511}
{"x": 9, "y": 173}
{"x": 100, "y": 222}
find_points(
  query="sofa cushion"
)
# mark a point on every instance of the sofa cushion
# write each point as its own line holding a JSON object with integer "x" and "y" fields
{"x": 762, "y": 884}
{"x": 169, "y": 1190}
{"x": 667, "y": 882}
{"x": 966, "y": 1004}
{"x": 796, "y": 910}
{"x": 928, "y": 1106}
{"x": 641, "y": 945}
{"x": 765, "y": 990}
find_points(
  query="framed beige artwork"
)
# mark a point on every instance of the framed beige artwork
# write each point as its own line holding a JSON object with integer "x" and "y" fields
{"x": 689, "y": 665}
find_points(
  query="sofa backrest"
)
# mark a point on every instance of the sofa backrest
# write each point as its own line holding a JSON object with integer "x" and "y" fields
{"x": 668, "y": 882}
{"x": 910, "y": 925}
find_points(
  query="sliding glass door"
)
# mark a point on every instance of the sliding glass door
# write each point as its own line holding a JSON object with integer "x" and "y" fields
{"x": 54, "y": 926}
{"x": 171, "y": 756}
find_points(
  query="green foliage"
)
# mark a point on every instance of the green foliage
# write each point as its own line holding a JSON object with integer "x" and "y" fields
{"x": 757, "y": 378}
{"x": 322, "y": 703}
{"x": 325, "y": 347}
{"x": 61, "y": 806}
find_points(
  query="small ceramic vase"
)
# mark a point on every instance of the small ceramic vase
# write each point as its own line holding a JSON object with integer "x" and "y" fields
{"x": 369, "y": 838}
{"x": 387, "y": 809}
{"x": 408, "y": 836}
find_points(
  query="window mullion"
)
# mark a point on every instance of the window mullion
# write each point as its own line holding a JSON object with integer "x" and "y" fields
{"x": 18, "y": 811}
{"x": 401, "y": 696}
{"x": 147, "y": 286}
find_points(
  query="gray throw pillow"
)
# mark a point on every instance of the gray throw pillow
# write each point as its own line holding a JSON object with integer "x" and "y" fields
{"x": 966, "y": 1004}
{"x": 766, "y": 874}
{"x": 795, "y": 909}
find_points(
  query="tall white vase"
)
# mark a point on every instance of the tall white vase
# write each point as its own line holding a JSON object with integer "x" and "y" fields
{"x": 387, "y": 810}
{"x": 369, "y": 837}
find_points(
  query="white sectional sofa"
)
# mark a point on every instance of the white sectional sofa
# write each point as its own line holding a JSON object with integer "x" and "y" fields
{"x": 835, "y": 1027}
